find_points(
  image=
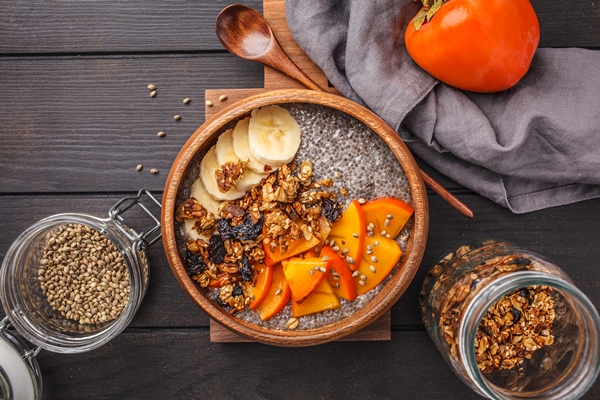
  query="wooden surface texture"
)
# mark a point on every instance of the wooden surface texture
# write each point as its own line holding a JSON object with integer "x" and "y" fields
{"x": 75, "y": 120}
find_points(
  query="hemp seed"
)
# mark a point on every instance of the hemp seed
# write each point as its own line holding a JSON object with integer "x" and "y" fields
{"x": 177, "y": 117}
{"x": 186, "y": 100}
{"x": 153, "y": 93}
{"x": 152, "y": 86}
{"x": 161, "y": 134}
{"x": 139, "y": 167}
{"x": 222, "y": 97}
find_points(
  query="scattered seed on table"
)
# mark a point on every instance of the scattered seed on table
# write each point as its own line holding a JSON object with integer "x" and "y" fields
{"x": 153, "y": 93}
{"x": 161, "y": 134}
{"x": 209, "y": 103}
{"x": 152, "y": 86}
{"x": 186, "y": 100}
{"x": 139, "y": 167}
{"x": 177, "y": 117}
{"x": 223, "y": 97}
{"x": 154, "y": 171}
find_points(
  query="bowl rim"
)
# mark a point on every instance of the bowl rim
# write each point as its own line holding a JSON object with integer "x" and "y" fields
{"x": 390, "y": 293}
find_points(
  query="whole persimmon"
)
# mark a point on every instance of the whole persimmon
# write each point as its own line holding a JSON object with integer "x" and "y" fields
{"x": 474, "y": 45}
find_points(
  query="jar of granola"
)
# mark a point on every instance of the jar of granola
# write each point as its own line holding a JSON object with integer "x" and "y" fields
{"x": 511, "y": 324}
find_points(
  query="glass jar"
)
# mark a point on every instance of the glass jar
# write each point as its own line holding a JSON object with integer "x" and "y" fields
{"x": 511, "y": 324}
{"x": 29, "y": 309}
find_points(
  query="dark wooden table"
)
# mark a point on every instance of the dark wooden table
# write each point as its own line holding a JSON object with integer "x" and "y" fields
{"x": 75, "y": 120}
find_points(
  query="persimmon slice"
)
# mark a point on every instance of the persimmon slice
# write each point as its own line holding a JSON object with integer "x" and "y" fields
{"x": 304, "y": 275}
{"x": 277, "y": 298}
{"x": 387, "y": 214}
{"x": 340, "y": 276}
{"x": 348, "y": 234}
{"x": 323, "y": 298}
{"x": 261, "y": 288}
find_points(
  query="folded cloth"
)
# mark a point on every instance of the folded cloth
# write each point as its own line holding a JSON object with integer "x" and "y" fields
{"x": 533, "y": 146}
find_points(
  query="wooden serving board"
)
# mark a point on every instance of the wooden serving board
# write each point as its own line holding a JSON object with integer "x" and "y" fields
{"x": 274, "y": 12}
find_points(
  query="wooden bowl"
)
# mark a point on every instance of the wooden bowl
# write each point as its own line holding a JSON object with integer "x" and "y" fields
{"x": 206, "y": 136}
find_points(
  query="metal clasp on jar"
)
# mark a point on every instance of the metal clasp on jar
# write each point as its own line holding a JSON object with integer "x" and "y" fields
{"x": 142, "y": 239}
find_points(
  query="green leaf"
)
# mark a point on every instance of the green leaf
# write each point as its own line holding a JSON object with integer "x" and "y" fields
{"x": 436, "y": 6}
{"x": 419, "y": 19}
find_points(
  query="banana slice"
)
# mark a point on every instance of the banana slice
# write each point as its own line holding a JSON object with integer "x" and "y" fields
{"x": 190, "y": 232}
{"x": 200, "y": 194}
{"x": 273, "y": 136}
{"x": 208, "y": 166}
{"x": 224, "y": 148}
{"x": 242, "y": 148}
{"x": 249, "y": 179}
{"x": 225, "y": 153}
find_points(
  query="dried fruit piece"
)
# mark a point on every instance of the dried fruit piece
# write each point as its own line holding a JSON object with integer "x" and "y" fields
{"x": 195, "y": 263}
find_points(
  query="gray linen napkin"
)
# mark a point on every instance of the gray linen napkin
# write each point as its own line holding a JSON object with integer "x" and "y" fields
{"x": 534, "y": 146}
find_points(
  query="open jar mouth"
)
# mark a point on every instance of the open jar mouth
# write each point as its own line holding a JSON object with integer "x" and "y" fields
{"x": 29, "y": 308}
{"x": 562, "y": 369}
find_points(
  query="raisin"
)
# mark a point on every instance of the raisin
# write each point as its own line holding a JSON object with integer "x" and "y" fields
{"x": 245, "y": 268}
{"x": 246, "y": 231}
{"x": 486, "y": 330}
{"x": 237, "y": 291}
{"x": 516, "y": 314}
{"x": 220, "y": 302}
{"x": 195, "y": 263}
{"x": 225, "y": 229}
{"x": 520, "y": 261}
{"x": 216, "y": 249}
{"x": 249, "y": 230}
{"x": 525, "y": 293}
{"x": 332, "y": 209}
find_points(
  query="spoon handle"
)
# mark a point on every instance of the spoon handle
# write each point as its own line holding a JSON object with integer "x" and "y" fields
{"x": 281, "y": 62}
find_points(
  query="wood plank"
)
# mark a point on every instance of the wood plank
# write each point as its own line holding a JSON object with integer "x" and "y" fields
{"x": 184, "y": 364}
{"x": 378, "y": 330}
{"x": 562, "y": 234}
{"x": 80, "y": 26}
{"x": 274, "y": 12}
{"x": 90, "y": 120}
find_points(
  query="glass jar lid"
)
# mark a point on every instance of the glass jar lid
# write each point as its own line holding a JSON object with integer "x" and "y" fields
{"x": 20, "y": 376}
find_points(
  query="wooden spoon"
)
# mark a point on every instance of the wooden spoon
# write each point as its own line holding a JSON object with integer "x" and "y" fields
{"x": 245, "y": 33}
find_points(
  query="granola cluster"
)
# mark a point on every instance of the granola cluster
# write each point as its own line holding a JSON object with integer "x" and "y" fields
{"x": 513, "y": 328}
{"x": 284, "y": 207}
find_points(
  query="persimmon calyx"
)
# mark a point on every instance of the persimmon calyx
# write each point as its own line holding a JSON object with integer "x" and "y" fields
{"x": 430, "y": 7}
